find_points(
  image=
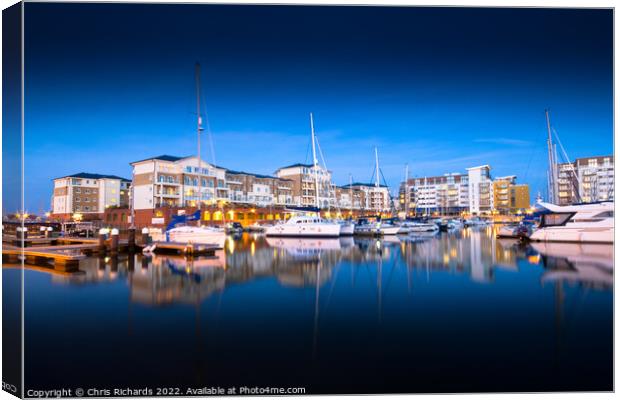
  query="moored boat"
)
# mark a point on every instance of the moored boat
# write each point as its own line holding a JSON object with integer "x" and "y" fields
{"x": 476, "y": 221}
{"x": 416, "y": 227}
{"x": 592, "y": 223}
{"x": 347, "y": 228}
{"x": 305, "y": 224}
{"x": 197, "y": 234}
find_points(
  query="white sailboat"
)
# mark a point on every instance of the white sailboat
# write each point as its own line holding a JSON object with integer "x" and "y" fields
{"x": 307, "y": 223}
{"x": 197, "y": 234}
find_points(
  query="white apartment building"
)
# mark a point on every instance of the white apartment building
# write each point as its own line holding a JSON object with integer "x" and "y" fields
{"x": 448, "y": 193}
{"x": 596, "y": 178}
{"x": 480, "y": 189}
{"x": 586, "y": 180}
{"x": 176, "y": 182}
{"x": 170, "y": 181}
{"x": 88, "y": 194}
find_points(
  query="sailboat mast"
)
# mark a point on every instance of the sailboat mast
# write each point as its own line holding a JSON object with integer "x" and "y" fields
{"x": 377, "y": 182}
{"x": 198, "y": 118}
{"x": 426, "y": 208}
{"x": 377, "y": 167}
{"x": 315, "y": 165}
{"x": 552, "y": 189}
{"x": 198, "y": 129}
{"x": 406, "y": 190}
{"x": 351, "y": 191}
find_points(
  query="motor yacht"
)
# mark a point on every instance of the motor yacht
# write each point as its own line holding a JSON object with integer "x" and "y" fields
{"x": 593, "y": 223}
{"x": 416, "y": 227}
{"x": 375, "y": 227}
{"x": 305, "y": 224}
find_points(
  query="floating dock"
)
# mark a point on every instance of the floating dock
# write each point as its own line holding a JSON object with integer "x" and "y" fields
{"x": 62, "y": 261}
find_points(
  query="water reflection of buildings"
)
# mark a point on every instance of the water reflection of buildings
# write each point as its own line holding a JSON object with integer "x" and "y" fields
{"x": 311, "y": 263}
{"x": 474, "y": 251}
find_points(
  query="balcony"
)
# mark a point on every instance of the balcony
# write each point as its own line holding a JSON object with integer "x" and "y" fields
{"x": 167, "y": 194}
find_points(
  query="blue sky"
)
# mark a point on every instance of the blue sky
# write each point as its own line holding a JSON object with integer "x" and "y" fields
{"x": 440, "y": 89}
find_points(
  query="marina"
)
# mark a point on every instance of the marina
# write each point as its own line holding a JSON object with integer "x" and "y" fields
{"x": 273, "y": 200}
{"x": 261, "y": 304}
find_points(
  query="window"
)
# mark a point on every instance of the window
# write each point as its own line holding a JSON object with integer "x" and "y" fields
{"x": 77, "y": 200}
{"x": 556, "y": 219}
{"x": 78, "y": 190}
{"x": 604, "y": 214}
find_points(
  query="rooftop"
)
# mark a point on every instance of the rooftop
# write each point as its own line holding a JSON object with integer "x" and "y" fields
{"x": 354, "y": 184}
{"x": 296, "y": 165}
{"x": 229, "y": 171}
{"x": 479, "y": 167}
{"x": 88, "y": 175}
{"x": 163, "y": 157}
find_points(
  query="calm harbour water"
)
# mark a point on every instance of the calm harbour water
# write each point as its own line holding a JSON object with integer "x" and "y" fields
{"x": 456, "y": 312}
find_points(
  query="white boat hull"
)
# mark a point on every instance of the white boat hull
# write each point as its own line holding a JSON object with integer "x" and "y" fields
{"x": 565, "y": 234}
{"x": 304, "y": 230}
{"x": 347, "y": 229}
{"x": 389, "y": 230}
{"x": 198, "y": 235}
{"x": 423, "y": 228}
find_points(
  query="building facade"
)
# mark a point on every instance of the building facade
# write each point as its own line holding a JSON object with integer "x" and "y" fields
{"x": 510, "y": 197}
{"x": 445, "y": 194}
{"x": 179, "y": 182}
{"x": 364, "y": 197}
{"x": 586, "y": 180}
{"x": 304, "y": 178}
{"x": 261, "y": 190}
{"x": 480, "y": 190}
{"x": 87, "y": 196}
{"x": 473, "y": 192}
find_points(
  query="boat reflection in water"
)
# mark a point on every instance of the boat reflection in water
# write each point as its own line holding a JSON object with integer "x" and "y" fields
{"x": 473, "y": 252}
{"x": 590, "y": 265}
{"x": 177, "y": 279}
{"x": 342, "y": 315}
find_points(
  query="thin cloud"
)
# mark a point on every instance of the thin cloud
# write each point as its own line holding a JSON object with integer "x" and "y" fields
{"x": 505, "y": 141}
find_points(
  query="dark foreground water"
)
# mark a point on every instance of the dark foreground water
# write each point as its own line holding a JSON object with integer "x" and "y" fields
{"x": 455, "y": 312}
